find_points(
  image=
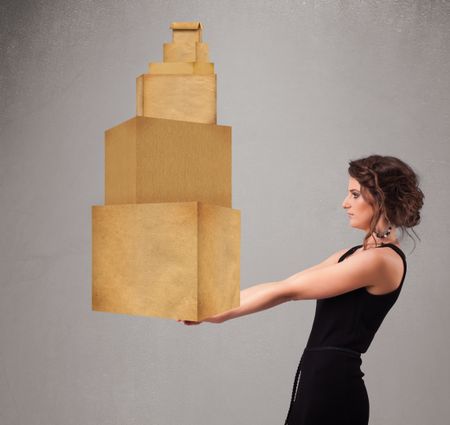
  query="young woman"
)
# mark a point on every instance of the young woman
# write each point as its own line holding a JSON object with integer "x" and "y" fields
{"x": 354, "y": 288}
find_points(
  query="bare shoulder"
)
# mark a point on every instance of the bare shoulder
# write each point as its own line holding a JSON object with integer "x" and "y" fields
{"x": 331, "y": 278}
{"x": 391, "y": 271}
{"x": 334, "y": 258}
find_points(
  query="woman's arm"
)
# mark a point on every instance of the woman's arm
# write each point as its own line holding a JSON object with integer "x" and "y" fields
{"x": 263, "y": 296}
{"x": 256, "y": 298}
{"x": 253, "y": 299}
{"x": 357, "y": 271}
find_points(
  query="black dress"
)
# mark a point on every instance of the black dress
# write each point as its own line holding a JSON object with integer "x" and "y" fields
{"x": 331, "y": 390}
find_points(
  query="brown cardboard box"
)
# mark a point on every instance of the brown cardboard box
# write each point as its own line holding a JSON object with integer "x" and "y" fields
{"x": 177, "y": 260}
{"x": 159, "y": 160}
{"x": 184, "y": 97}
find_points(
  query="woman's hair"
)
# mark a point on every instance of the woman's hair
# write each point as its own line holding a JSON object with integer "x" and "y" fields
{"x": 392, "y": 188}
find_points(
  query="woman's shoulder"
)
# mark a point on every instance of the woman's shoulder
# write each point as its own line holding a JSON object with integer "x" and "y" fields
{"x": 335, "y": 257}
{"x": 392, "y": 269}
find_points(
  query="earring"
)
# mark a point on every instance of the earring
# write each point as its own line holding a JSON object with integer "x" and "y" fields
{"x": 386, "y": 233}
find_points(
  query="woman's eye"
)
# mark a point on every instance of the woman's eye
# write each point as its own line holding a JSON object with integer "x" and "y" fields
{"x": 355, "y": 195}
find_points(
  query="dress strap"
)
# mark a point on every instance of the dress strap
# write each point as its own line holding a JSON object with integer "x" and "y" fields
{"x": 349, "y": 252}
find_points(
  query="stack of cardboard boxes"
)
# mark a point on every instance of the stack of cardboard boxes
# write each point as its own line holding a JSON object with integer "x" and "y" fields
{"x": 167, "y": 241}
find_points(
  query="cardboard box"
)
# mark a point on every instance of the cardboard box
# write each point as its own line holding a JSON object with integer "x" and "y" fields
{"x": 157, "y": 160}
{"x": 177, "y": 260}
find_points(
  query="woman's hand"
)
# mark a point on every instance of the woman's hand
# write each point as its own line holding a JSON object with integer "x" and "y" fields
{"x": 189, "y": 322}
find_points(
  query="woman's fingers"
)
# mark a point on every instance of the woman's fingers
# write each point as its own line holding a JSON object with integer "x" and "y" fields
{"x": 189, "y": 322}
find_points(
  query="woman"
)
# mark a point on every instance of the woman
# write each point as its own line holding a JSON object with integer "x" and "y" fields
{"x": 353, "y": 296}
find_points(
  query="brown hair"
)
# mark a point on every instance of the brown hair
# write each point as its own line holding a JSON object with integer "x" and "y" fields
{"x": 392, "y": 188}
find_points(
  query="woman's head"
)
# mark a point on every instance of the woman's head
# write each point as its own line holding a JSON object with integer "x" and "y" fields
{"x": 389, "y": 194}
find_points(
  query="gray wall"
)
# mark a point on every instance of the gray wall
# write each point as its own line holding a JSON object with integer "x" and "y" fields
{"x": 306, "y": 86}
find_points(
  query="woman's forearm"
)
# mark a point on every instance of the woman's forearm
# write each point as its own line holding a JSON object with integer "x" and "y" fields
{"x": 254, "y": 299}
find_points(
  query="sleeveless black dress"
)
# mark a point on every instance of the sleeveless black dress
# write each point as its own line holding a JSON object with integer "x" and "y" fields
{"x": 331, "y": 390}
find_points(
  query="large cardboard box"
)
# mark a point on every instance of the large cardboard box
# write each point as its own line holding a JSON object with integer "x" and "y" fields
{"x": 177, "y": 260}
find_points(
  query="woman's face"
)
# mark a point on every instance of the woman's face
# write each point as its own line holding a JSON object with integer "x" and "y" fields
{"x": 361, "y": 212}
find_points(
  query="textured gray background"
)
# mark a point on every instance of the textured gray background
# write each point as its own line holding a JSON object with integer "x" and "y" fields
{"x": 306, "y": 86}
